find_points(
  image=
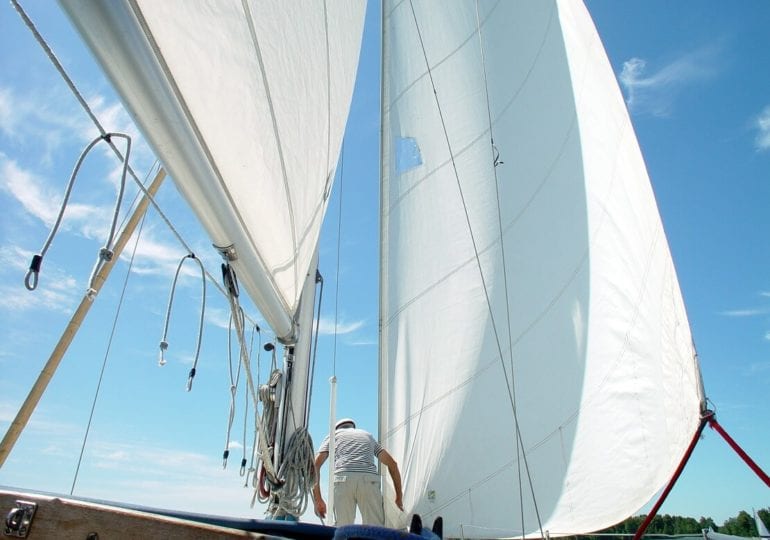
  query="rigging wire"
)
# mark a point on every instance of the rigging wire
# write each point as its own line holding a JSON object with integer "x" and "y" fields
{"x": 495, "y": 163}
{"x": 320, "y": 280}
{"x": 337, "y": 272}
{"x": 473, "y": 240}
{"x": 107, "y": 353}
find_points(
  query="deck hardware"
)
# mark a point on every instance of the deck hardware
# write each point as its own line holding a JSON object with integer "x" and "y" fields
{"x": 19, "y": 519}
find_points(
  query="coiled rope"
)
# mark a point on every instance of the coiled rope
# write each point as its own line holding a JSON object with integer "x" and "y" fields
{"x": 163, "y": 342}
{"x": 105, "y": 253}
{"x": 297, "y": 473}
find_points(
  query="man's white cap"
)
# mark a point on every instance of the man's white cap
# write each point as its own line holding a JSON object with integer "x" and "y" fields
{"x": 344, "y": 422}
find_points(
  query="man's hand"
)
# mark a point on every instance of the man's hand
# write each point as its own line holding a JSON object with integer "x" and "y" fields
{"x": 399, "y": 502}
{"x": 320, "y": 507}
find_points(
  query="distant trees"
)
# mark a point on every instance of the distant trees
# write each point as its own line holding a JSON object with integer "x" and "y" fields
{"x": 740, "y": 525}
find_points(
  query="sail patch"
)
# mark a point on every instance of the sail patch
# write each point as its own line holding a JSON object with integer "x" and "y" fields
{"x": 407, "y": 154}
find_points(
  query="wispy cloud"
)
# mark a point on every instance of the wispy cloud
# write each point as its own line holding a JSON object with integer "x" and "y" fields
{"x": 43, "y": 202}
{"x": 327, "y": 327}
{"x": 655, "y": 93}
{"x": 52, "y": 117}
{"x": 752, "y": 312}
{"x": 762, "y": 125}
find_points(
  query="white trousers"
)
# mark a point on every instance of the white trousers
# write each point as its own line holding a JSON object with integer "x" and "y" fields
{"x": 362, "y": 489}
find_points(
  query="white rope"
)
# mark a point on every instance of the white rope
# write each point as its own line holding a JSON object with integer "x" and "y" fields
{"x": 234, "y": 380}
{"x": 297, "y": 473}
{"x": 106, "y": 253}
{"x": 163, "y": 342}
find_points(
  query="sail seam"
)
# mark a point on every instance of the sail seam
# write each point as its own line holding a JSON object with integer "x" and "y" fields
{"x": 278, "y": 144}
{"x": 519, "y": 442}
{"x": 475, "y": 248}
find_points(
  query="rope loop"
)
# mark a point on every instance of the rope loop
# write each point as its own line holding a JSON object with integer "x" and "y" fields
{"x": 30, "y": 280}
{"x": 163, "y": 340}
{"x": 106, "y": 253}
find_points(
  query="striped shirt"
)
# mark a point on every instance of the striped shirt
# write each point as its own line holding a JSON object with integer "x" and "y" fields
{"x": 354, "y": 451}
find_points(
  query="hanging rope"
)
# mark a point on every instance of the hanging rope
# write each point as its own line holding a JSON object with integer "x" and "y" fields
{"x": 234, "y": 379}
{"x": 252, "y": 467}
{"x": 105, "y": 253}
{"x": 297, "y": 474}
{"x": 163, "y": 342}
{"x": 244, "y": 472}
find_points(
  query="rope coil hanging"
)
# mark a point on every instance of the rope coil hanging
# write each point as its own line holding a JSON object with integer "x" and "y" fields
{"x": 106, "y": 253}
{"x": 163, "y": 342}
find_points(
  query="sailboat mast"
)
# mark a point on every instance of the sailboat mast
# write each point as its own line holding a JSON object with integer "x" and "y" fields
{"x": 36, "y": 393}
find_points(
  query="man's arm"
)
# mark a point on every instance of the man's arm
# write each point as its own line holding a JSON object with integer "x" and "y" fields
{"x": 395, "y": 475}
{"x": 318, "y": 500}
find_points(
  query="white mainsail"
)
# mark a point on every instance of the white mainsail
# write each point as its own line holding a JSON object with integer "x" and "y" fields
{"x": 537, "y": 368}
{"x": 245, "y": 103}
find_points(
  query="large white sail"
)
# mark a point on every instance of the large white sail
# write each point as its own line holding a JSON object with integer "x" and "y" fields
{"x": 548, "y": 379}
{"x": 245, "y": 103}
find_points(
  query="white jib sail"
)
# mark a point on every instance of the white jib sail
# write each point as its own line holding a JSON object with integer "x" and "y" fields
{"x": 574, "y": 318}
{"x": 245, "y": 102}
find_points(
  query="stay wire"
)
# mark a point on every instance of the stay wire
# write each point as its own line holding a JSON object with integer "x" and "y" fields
{"x": 107, "y": 354}
{"x": 320, "y": 280}
{"x": 470, "y": 228}
{"x": 495, "y": 162}
{"x": 337, "y": 272}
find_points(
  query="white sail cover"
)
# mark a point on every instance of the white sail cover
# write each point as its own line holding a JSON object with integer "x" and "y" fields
{"x": 245, "y": 102}
{"x": 575, "y": 316}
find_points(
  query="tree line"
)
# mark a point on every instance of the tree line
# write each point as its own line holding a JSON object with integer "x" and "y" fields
{"x": 741, "y": 525}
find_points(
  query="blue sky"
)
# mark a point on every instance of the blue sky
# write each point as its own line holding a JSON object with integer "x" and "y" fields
{"x": 696, "y": 76}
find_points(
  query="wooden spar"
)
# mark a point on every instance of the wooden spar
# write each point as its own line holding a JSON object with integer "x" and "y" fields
{"x": 22, "y": 417}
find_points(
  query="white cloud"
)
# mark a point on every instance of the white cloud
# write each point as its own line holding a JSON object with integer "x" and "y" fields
{"x": 763, "y": 130}
{"x": 327, "y": 327}
{"x": 752, "y": 312}
{"x": 656, "y": 92}
{"x": 8, "y": 119}
{"x": 44, "y": 203}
